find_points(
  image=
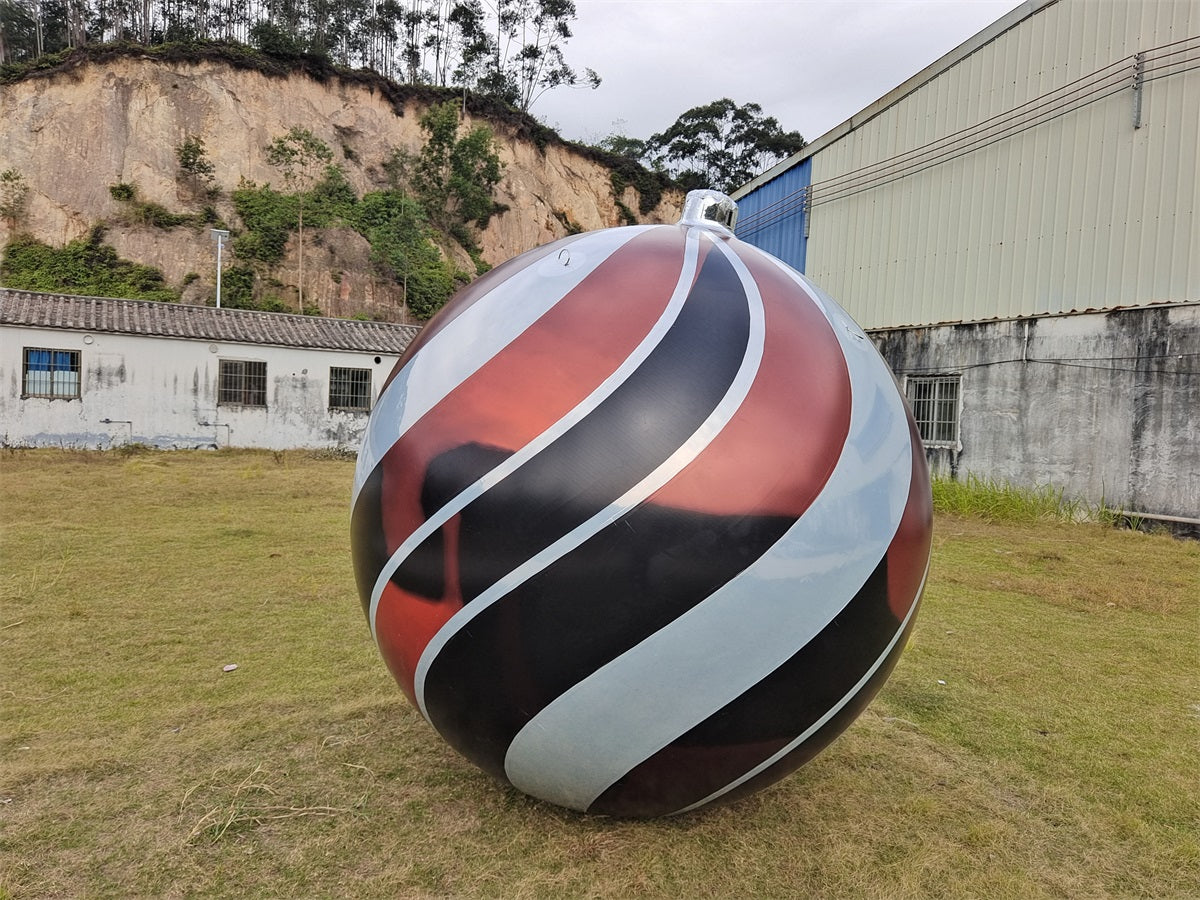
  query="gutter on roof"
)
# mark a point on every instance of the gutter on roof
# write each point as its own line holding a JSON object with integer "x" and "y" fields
{"x": 1006, "y": 22}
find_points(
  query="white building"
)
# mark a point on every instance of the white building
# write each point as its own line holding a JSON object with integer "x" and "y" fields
{"x": 94, "y": 372}
{"x": 1016, "y": 226}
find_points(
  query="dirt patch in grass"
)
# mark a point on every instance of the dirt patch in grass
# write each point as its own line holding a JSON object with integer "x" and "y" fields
{"x": 1037, "y": 738}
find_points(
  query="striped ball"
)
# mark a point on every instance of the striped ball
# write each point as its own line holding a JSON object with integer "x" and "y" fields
{"x": 641, "y": 520}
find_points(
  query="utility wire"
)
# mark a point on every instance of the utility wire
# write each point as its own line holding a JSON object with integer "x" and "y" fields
{"x": 927, "y": 157}
{"x": 1083, "y": 91}
{"x": 1123, "y": 67}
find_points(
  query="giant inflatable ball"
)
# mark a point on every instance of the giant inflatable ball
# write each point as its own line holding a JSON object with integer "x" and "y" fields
{"x": 641, "y": 520}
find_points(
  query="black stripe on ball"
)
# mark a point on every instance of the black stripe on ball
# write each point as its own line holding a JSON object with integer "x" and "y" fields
{"x": 476, "y": 688}
{"x": 764, "y": 719}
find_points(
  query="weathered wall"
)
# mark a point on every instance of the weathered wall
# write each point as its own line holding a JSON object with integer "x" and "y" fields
{"x": 74, "y": 133}
{"x": 166, "y": 389}
{"x": 1105, "y": 406}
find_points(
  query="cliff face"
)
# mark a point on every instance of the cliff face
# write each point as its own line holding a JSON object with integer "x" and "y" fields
{"x": 71, "y": 134}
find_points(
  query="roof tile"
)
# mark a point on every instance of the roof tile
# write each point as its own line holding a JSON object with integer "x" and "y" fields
{"x": 182, "y": 320}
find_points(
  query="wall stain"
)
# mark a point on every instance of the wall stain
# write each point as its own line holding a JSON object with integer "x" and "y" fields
{"x": 1105, "y": 406}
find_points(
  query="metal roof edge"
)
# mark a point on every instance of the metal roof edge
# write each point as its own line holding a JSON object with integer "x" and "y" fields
{"x": 1006, "y": 22}
{"x": 1090, "y": 311}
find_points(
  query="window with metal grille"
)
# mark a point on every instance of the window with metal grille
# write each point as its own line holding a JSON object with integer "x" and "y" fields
{"x": 51, "y": 373}
{"x": 934, "y": 403}
{"x": 242, "y": 382}
{"x": 349, "y": 388}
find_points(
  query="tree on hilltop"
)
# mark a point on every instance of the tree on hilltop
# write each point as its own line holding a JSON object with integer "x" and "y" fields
{"x": 717, "y": 145}
{"x": 511, "y": 49}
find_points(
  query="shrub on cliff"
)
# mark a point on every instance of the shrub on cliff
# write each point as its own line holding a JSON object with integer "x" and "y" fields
{"x": 85, "y": 266}
{"x": 402, "y": 247}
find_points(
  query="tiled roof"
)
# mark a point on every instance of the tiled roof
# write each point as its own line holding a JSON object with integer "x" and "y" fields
{"x": 206, "y": 323}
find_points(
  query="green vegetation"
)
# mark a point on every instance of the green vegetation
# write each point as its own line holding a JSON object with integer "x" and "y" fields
{"x": 395, "y": 225}
{"x": 618, "y": 189}
{"x": 402, "y": 246}
{"x": 14, "y": 197}
{"x": 1037, "y": 738}
{"x": 237, "y": 290}
{"x": 649, "y": 185}
{"x": 996, "y": 501}
{"x": 510, "y": 50}
{"x": 85, "y": 266}
{"x": 196, "y": 170}
{"x": 454, "y": 176}
{"x": 268, "y": 216}
{"x": 193, "y": 159}
{"x": 142, "y": 212}
{"x": 718, "y": 145}
{"x": 123, "y": 192}
{"x": 568, "y": 224}
{"x": 300, "y": 156}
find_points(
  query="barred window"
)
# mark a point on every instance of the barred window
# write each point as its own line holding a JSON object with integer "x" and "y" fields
{"x": 934, "y": 403}
{"x": 51, "y": 373}
{"x": 349, "y": 388}
{"x": 242, "y": 382}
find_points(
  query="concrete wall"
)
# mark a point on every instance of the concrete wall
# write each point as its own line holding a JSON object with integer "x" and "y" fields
{"x": 1103, "y": 405}
{"x": 166, "y": 390}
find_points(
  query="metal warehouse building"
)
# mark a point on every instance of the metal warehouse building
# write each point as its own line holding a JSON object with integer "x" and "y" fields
{"x": 1016, "y": 227}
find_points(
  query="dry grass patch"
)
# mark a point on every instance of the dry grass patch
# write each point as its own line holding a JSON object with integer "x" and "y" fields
{"x": 1037, "y": 739}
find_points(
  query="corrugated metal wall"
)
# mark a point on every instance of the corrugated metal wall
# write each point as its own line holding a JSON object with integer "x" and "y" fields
{"x": 773, "y": 217}
{"x": 1015, "y": 183}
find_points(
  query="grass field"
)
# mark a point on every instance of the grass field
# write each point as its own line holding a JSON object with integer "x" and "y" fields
{"x": 1038, "y": 739}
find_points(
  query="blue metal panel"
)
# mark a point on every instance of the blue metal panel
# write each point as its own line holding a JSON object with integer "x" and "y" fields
{"x": 772, "y": 217}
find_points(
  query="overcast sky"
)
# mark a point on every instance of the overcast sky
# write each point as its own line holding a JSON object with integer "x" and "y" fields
{"x": 809, "y": 63}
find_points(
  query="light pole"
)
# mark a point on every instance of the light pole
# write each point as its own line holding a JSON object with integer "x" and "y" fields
{"x": 219, "y": 235}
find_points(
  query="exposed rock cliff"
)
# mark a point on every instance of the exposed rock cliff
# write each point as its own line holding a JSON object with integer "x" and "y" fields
{"x": 74, "y": 132}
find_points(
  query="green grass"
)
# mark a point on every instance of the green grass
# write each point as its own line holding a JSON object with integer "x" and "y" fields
{"x": 997, "y": 501}
{"x": 1037, "y": 739}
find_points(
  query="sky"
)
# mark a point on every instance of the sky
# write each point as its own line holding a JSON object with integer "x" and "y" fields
{"x": 811, "y": 64}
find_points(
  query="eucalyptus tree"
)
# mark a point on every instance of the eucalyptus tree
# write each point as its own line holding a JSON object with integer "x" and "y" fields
{"x": 20, "y": 32}
{"x": 412, "y": 25}
{"x": 721, "y": 145}
{"x": 528, "y": 57}
{"x": 511, "y": 49}
{"x": 31, "y": 28}
{"x": 437, "y": 43}
{"x": 540, "y": 63}
{"x": 470, "y": 37}
{"x": 76, "y": 22}
{"x": 301, "y": 157}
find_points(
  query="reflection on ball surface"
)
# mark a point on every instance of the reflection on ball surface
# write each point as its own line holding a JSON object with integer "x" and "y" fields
{"x": 641, "y": 520}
